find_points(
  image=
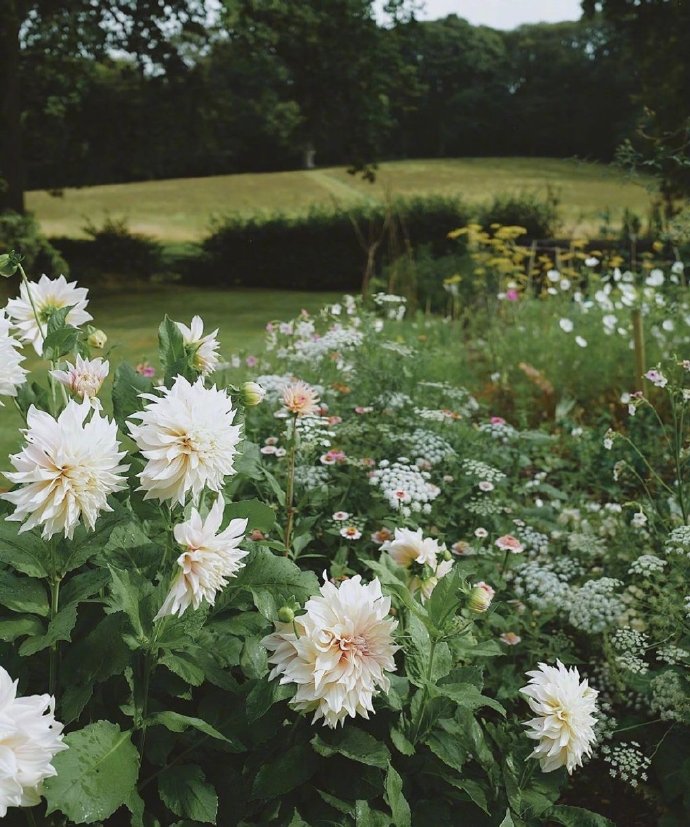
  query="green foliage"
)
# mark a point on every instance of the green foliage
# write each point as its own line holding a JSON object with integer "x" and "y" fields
{"x": 284, "y": 251}
{"x": 22, "y": 232}
{"x": 95, "y": 776}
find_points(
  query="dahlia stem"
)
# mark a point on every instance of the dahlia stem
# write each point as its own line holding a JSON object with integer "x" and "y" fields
{"x": 425, "y": 691}
{"x": 54, "y": 651}
{"x": 31, "y": 301}
{"x": 290, "y": 487}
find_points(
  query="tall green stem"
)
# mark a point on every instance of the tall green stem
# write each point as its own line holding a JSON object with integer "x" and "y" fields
{"x": 290, "y": 486}
{"x": 54, "y": 651}
{"x": 425, "y": 691}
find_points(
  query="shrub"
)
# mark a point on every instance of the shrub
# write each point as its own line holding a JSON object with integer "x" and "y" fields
{"x": 539, "y": 216}
{"x": 113, "y": 249}
{"x": 21, "y": 232}
{"x": 345, "y": 246}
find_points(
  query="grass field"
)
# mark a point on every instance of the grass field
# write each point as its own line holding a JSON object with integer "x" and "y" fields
{"x": 180, "y": 210}
{"x": 131, "y": 321}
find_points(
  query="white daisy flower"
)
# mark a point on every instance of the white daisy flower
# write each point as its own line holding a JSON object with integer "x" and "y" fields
{"x": 12, "y": 374}
{"x": 565, "y": 708}
{"x": 204, "y": 348}
{"x": 210, "y": 556}
{"x": 188, "y": 439}
{"x": 338, "y": 652}
{"x": 66, "y": 471}
{"x": 30, "y": 738}
{"x": 48, "y": 295}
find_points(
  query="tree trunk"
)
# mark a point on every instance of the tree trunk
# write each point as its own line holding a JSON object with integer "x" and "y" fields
{"x": 11, "y": 163}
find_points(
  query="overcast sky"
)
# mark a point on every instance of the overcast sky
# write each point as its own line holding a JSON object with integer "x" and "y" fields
{"x": 504, "y": 14}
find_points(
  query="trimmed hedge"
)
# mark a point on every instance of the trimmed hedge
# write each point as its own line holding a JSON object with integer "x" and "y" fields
{"x": 324, "y": 249}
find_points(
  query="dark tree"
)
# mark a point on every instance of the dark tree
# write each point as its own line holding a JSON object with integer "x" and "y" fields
{"x": 51, "y": 35}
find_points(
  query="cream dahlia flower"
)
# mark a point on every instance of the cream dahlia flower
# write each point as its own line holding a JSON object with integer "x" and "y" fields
{"x": 208, "y": 559}
{"x": 30, "y": 738}
{"x": 48, "y": 295}
{"x": 12, "y": 374}
{"x": 85, "y": 378}
{"x": 338, "y": 652}
{"x": 408, "y": 547}
{"x": 204, "y": 349}
{"x": 412, "y": 550}
{"x": 300, "y": 399}
{"x": 565, "y": 708}
{"x": 66, "y": 471}
{"x": 188, "y": 438}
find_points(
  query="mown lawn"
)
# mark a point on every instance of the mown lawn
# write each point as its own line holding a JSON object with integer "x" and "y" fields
{"x": 131, "y": 321}
{"x": 181, "y": 209}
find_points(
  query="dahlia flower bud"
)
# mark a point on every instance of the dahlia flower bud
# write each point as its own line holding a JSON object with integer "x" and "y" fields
{"x": 251, "y": 393}
{"x": 480, "y": 597}
{"x": 285, "y": 614}
{"x": 96, "y": 339}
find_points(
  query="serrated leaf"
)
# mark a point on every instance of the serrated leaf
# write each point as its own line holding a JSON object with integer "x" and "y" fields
{"x": 23, "y": 594}
{"x": 355, "y": 744}
{"x": 95, "y": 776}
{"x": 184, "y": 666}
{"x": 291, "y": 768}
{"x": 176, "y": 722}
{"x": 172, "y": 354}
{"x": 59, "y": 628}
{"x": 263, "y": 695}
{"x": 185, "y": 792}
{"x": 258, "y": 515}
{"x": 128, "y": 385}
{"x": 395, "y": 799}
{"x": 273, "y": 581}
{"x": 467, "y": 696}
{"x": 127, "y": 595}
{"x": 577, "y": 817}
{"x": 11, "y": 630}
{"x": 28, "y": 552}
{"x": 60, "y": 342}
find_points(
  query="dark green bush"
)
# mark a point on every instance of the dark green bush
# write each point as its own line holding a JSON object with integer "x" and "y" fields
{"x": 538, "y": 215}
{"x": 112, "y": 249}
{"x": 324, "y": 249}
{"x": 22, "y": 233}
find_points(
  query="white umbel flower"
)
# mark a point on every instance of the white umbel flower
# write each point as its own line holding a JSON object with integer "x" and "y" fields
{"x": 30, "y": 738}
{"x": 84, "y": 378}
{"x": 188, "y": 439}
{"x": 48, "y": 295}
{"x": 66, "y": 471}
{"x": 12, "y": 374}
{"x": 204, "y": 349}
{"x": 341, "y": 652}
{"x": 208, "y": 559}
{"x": 565, "y": 708}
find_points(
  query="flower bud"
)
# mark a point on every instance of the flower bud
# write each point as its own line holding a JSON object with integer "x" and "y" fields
{"x": 97, "y": 339}
{"x": 285, "y": 614}
{"x": 252, "y": 393}
{"x": 480, "y": 597}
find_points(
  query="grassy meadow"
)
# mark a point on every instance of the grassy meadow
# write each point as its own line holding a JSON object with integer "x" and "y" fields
{"x": 180, "y": 210}
{"x": 131, "y": 321}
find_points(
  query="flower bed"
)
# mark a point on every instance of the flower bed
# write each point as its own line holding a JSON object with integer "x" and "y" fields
{"x": 343, "y": 589}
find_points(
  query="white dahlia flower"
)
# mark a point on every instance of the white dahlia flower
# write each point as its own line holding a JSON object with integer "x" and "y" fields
{"x": 66, "y": 471}
{"x": 338, "y": 652}
{"x": 12, "y": 374}
{"x": 408, "y": 547}
{"x": 30, "y": 738}
{"x": 208, "y": 559}
{"x": 85, "y": 378}
{"x": 48, "y": 295}
{"x": 565, "y": 708}
{"x": 188, "y": 438}
{"x": 204, "y": 349}
{"x": 413, "y": 551}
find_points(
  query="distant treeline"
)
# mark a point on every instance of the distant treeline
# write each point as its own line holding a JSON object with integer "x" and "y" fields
{"x": 547, "y": 90}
